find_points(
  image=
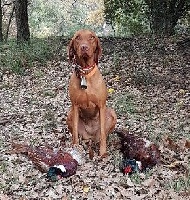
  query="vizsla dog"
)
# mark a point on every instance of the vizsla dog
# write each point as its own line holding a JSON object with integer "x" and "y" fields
{"x": 89, "y": 117}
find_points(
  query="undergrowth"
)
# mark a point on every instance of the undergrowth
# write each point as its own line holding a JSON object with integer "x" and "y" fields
{"x": 180, "y": 184}
{"x": 17, "y": 58}
{"x": 125, "y": 104}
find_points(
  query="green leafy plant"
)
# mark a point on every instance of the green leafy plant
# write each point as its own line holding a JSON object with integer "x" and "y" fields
{"x": 125, "y": 104}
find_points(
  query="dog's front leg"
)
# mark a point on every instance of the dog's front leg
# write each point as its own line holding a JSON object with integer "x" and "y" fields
{"x": 102, "y": 130}
{"x": 75, "y": 125}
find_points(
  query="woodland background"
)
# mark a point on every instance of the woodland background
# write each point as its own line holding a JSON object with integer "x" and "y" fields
{"x": 146, "y": 66}
{"x": 109, "y": 17}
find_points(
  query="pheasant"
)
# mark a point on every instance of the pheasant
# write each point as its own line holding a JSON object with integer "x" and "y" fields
{"x": 139, "y": 153}
{"x": 57, "y": 163}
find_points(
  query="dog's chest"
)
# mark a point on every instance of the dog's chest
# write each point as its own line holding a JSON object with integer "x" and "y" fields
{"x": 92, "y": 96}
{"x": 87, "y": 99}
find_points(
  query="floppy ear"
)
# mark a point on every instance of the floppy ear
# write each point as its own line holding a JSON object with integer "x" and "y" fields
{"x": 71, "y": 51}
{"x": 98, "y": 51}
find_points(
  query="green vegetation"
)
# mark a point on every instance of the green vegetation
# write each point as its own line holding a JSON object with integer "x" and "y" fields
{"x": 142, "y": 16}
{"x": 124, "y": 103}
{"x": 48, "y": 17}
{"x": 179, "y": 184}
{"x": 127, "y": 17}
{"x": 17, "y": 58}
{"x": 107, "y": 17}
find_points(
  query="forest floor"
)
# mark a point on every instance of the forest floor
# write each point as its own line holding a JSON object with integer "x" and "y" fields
{"x": 148, "y": 80}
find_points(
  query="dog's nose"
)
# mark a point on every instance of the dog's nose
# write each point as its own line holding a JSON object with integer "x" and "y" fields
{"x": 84, "y": 47}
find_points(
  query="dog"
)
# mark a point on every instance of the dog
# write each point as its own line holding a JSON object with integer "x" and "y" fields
{"x": 88, "y": 117}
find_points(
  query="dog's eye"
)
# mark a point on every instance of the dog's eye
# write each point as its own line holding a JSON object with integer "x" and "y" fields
{"x": 92, "y": 37}
{"x": 77, "y": 37}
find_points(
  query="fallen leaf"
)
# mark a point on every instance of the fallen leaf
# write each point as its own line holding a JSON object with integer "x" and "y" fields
{"x": 176, "y": 164}
{"x": 169, "y": 143}
{"x": 182, "y": 91}
{"x": 86, "y": 188}
{"x": 116, "y": 78}
{"x": 129, "y": 182}
{"x": 110, "y": 90}
{"x": 187, "y": 144}
{"x": 149, "y": 182}
{"x": 4, "y": 197}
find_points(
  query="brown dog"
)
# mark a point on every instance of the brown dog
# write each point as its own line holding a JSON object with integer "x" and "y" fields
{"x": 89, "y": 117}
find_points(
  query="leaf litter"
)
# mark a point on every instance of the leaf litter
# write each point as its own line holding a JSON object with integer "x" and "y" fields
{"x": 148, "y": 84}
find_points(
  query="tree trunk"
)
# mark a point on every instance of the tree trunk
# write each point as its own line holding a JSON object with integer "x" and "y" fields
{"x": 1, "y": 24}
{"x": 161, "y": 18}
{"x": 21, "y": 13}
{"x": 165, "y": 14}
{"x": 9, "y": 23}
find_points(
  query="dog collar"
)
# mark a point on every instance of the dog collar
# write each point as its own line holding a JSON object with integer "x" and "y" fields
{"x": 83, "y": 73}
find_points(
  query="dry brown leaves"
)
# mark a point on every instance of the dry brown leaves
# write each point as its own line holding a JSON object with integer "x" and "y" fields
{"x": 148, "y": 82}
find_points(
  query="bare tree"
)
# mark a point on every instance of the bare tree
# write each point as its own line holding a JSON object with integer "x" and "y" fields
{"x": 1, "y": 23}
{"x": 9, "y": 23}
{"x": 21, "y": 14}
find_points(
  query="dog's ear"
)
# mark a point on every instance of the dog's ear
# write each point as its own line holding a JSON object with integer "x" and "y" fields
{"x": 98, "y": 51}
{"x": 71, "y": 51}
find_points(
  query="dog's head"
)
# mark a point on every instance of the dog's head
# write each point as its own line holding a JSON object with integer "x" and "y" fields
{"x": 84, "y": 48}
